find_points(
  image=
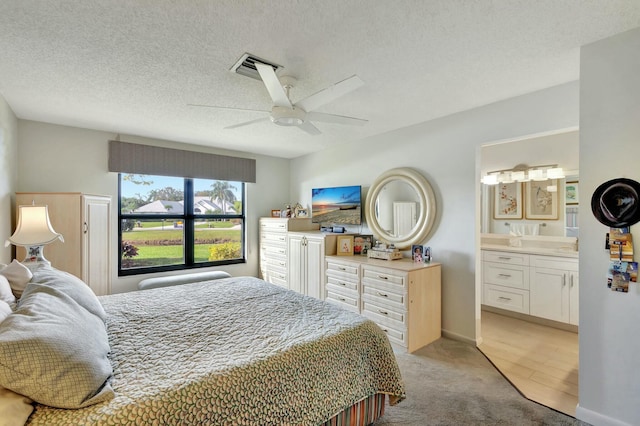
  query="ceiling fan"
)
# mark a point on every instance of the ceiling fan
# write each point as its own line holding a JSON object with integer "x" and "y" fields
{"x": 300, "y": 114}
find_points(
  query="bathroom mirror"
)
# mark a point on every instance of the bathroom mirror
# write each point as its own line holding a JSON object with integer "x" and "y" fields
{"x": 400, "y": 207}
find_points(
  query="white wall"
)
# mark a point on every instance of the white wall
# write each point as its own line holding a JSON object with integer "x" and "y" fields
{"x": 8, "y": 174}
{"x": 445, "y": 151}
{"x": 609, "y": 148}
{"x": 67, "y": 159}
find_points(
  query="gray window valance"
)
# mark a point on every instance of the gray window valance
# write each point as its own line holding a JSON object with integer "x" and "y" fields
{"x": 125, "y": 157}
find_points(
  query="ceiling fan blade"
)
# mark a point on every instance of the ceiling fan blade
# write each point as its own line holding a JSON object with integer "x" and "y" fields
{"x": 246, "y": 123}
{"x": 329, "y": 94}
{"x": 274, "y": 87}
{"x": 223, "y": 107}
{"x": 337, "y": 119}
{"x": 310, "y": 128}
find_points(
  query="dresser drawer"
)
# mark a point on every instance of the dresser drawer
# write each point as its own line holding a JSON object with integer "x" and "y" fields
{"x": 506, "y": 298}
{"x": 272, "y": 238}
{"x": 505, "y": 257}
{"x": 274, "y": 225}
{"x": 275, "y": 277}
{"x": 395, "y": 336}
{"x": 344, "y": 285}
{"x": 505, "y": 275}
{"x": 273, "y": 252}
{"x": 343, "y": 270}
{"x": 396, "y": 279}
{"x": 387, "y": 312}
{"x": 350, "y": 303}
{"x": 381, "y": 293}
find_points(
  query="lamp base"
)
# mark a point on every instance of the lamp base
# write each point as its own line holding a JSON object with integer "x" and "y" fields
{"x": 35, "y": 255}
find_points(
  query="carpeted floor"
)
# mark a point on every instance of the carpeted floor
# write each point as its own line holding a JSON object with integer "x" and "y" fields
{"x": 452, "y": 383}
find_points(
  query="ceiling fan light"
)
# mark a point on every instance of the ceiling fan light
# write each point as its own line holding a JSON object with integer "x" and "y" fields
{"x": 287, "y": 116}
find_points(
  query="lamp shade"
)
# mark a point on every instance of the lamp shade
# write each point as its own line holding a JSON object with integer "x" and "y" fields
{"x": 34, "y": 228}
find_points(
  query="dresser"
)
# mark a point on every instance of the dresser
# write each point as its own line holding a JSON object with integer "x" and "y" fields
{"x": 85, "y": 223}
{"x": 402, "y": 297}
{"x": 274, "y": 248}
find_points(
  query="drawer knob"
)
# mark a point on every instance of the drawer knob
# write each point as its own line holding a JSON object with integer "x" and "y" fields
{"x": 382, "y": 277}
{"x": 504, "y": 298}
{"x": 382, "y": 294}
{"x": 504, "y": 258}
{"x": 504, "y": 275}
{"x": 342, "y": 269}
{"x": 383, "y": 312}
{"x": 341, "y": 283}
{"x": 342, "y": 299}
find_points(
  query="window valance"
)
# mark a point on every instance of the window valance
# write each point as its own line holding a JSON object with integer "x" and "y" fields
{"x": 125, "y": 157}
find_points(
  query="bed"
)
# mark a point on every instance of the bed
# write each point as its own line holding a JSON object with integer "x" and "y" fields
{"x": 233, "y": 351}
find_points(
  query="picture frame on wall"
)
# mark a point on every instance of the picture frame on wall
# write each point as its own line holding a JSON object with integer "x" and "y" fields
{"x": 571, "y": 193}
{"x": 507, "y": 201}
{"x": 345, "y": 245}
{"x": 541, "y": 200}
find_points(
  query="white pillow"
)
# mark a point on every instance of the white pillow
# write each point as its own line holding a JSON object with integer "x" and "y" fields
{"x": 15, "y": 409}
{"x": 18, "y": 276}
{"x": 5, "y": 290}
{"x": 5, "y": 310}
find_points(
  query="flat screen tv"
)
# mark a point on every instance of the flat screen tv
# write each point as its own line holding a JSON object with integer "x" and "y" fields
{"x": 341, "y": 205}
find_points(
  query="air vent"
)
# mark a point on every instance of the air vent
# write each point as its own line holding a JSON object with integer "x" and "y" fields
{"x": 246, "y": 66}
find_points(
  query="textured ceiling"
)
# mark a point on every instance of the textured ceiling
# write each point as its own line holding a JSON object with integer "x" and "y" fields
{"x": 133, "y": 67}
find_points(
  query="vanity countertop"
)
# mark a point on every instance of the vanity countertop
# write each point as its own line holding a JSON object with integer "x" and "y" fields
{"x": 542, "y": 245}
{"x": 545, "y": 251}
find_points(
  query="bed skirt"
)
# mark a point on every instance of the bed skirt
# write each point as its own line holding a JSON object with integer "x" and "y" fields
{"x": 362, "y": 413}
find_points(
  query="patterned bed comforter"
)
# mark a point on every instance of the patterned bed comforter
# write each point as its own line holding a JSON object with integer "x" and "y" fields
{"x": 236, "y": 351}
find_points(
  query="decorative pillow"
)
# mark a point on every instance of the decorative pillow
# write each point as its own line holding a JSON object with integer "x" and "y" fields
{"x": 55, "y": 351}
{"x": 71, "y": 285}
{"x": 5, "y": 290}
{"x": 15, "y": 409}
{"x": 18, "y": 276}
{"x": 5, "y": 310}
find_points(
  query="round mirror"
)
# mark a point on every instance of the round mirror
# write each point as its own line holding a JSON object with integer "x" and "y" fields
{"x": 400, "y": 207}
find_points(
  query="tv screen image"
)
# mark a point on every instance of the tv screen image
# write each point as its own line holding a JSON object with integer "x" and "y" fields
{"x": 340, "y": 205}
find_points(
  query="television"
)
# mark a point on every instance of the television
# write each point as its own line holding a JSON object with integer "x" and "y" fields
{"x": 340, "y": 205}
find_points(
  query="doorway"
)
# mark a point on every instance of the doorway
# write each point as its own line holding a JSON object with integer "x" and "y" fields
{"x": 539, "y": 357}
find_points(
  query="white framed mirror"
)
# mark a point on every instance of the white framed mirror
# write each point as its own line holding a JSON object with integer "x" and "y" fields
{"x": 400, "y": 207}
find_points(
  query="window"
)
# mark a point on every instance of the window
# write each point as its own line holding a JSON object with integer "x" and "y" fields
{"x": 169, "y": 223}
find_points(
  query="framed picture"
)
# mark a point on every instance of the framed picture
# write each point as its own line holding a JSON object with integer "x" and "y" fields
{"x": 571, "y": 193}
{"x": 362, "y": 244}
{"x": 417, "y": 253}
{"x": 302, "y": 213}
{"x": 507, "y": 201}
{"x": 541, "y": 199}
{"x": 275, "y": 213}
{"x": 345, "y": 245}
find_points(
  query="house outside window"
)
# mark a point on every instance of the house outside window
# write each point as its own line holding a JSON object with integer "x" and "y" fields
{"x": 171, "y": 223}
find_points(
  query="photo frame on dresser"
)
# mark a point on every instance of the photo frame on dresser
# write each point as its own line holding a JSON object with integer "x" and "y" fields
{"x": 345, "y": 245}
{"x": 507, "y": 201}
{"x": 541, "y": 199}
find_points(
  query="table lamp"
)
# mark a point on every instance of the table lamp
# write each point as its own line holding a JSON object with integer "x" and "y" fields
{"x": 33, "y": 232}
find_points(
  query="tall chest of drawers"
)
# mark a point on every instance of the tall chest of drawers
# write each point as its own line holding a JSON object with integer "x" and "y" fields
{"x": 273, "y": 246}
{"x": 402, "y": 297}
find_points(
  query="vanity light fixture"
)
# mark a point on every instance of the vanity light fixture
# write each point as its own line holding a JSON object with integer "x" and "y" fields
{"x": 523, "y": 173}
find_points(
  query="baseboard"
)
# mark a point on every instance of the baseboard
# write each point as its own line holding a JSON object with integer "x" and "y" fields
{"x": 458, "y": 337}
{"x": 595, "y": 418}
{"x": 530, "y": 318}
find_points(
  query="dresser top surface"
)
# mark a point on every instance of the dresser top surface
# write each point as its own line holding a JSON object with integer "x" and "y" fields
{"x": 399, "y": 264}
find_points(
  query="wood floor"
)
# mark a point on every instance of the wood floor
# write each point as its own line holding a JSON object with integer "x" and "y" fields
{"x": 541, "y": 361}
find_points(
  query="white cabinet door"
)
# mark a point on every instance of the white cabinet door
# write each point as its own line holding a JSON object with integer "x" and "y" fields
{"x": 95, "y": 243}
{"x": 297, "y": 260}
{"x": 574, "y": 291}
{"x": 549, "y": 294}
{"x": 315, "y": 268}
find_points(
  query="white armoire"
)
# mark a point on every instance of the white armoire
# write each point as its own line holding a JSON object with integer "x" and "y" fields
{"x": 85, "y": 223}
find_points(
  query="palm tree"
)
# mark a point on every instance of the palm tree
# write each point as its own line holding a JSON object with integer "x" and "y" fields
{"x": 222, "y": 191}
